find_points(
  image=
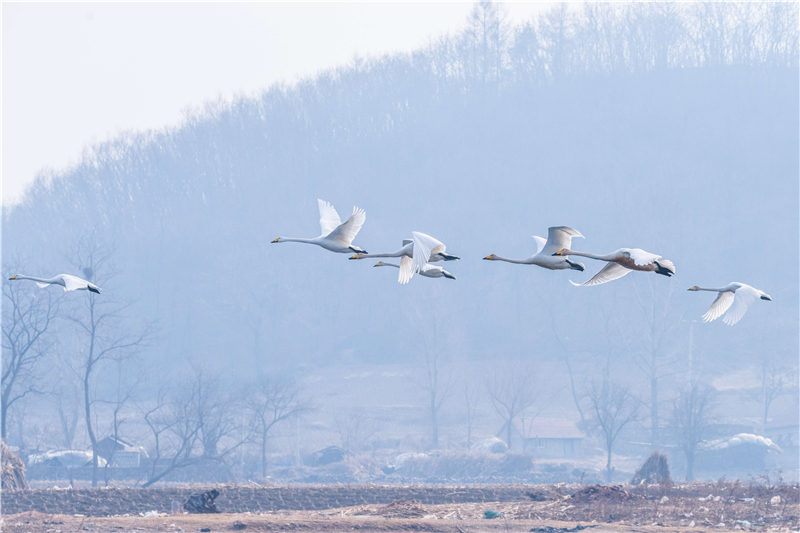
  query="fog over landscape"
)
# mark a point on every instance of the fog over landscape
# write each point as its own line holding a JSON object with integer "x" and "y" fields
{"x": 667, "y": 127}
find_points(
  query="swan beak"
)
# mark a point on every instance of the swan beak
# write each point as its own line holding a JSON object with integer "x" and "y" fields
{"x": 354, "y": 257}
{"x": 276, "y": 240}
{"x": 767, "y": 298}
{"x": 487, "y": 258}
{"x": 375, "y": 265}
{"x": 692, "y": 288}
{"x": 13, "y": 277}
{"x": 558, "y": 252}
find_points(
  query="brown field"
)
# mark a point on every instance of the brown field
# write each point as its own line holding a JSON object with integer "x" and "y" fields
{"x": 737, "y": 507}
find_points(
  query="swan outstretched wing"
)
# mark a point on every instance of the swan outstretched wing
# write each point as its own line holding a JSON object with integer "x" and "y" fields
{"x": 328, "y": 217}
{"x": 424, "y": 247}
{"x": 347, "y": 232}
{"x": 558, "y": 238}
{"x": 640, "y": 257}
{"x": 73, "y": 283}
{"x": 540, "y": 243}
{"x": 610, "y": 272}
{"x": 718, "y": 306}
{"x": 743, "y": 298}
{"x": 406, "y": 270}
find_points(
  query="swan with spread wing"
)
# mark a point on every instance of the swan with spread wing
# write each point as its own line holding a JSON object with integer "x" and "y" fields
{"x": 735, "y": 298}
{"x": 336, "y": 236}
{"x": 621, "y": 263}
{"x": 415, "y": 254}
{"x": 558, "y": 238}
{"x": 66, "y": 281}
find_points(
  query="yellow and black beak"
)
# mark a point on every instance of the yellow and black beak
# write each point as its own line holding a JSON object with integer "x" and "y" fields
{"x": 487, "y": 257}
{"x": 560, "y": 252}
{"x": 354, "y": 257}
{"x": 276, "y": 240}
{"x": 13, "y": 277}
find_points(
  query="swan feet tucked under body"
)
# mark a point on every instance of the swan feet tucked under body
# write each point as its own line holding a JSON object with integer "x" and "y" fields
{"x": 558, "y": 237}
{"x": 66, "y": 281}
{"x": 735, "y": 298}
{"x": 621, "y": 263}
{"x": 336, "y": 236}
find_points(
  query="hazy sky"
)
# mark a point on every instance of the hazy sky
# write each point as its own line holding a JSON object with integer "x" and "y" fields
{"x": 76, "y": 73}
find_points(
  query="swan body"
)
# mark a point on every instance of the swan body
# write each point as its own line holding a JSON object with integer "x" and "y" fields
{"x": 415, "y": 254}
{"x": 429, "y": 271}
{"x": 735, "y": 298}
{"x": 558, "y": 238}
{"x": 336, "y": 236}
{"x": 66, "y": 281}
{"x": 621, "y": 262}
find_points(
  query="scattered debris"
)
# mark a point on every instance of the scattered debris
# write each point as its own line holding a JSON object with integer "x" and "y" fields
{"x": 202, "y": 503}
{"x": 540, "y": 495}
{"x": 149, "y": 514}
{"x": 595, "y": 493}
{"x": 489, "y": 514}
{"x": 550, "y": 529}
{"x": 654, "y": 471}
{"x": 775, "y": 500}
{"x": 402, "y": 509}
{"x": 238, "y": 526}
{"x": 664, "y": 499}
{"x": 205, "y": 530}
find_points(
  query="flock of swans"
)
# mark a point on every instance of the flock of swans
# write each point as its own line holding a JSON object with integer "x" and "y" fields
{"x": 417, "y": 253}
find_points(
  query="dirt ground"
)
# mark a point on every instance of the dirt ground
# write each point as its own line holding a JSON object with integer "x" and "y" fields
{"x": 728, "y": 507}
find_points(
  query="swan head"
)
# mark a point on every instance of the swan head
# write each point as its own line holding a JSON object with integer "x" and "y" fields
{"x": 361, "y": 256}
{"x": 279, "y": 239}
{"x": 490, "y": 257}
{"x": 378, "y": 264}
{"x": 561, "y": 252}
{"x": 695, "y": 288}
{"x": 13, "y": 277}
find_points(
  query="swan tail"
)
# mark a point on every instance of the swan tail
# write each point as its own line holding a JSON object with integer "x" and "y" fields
{"x": 576, "y": 284}
{"x": 665, "y": 267}
{"x": 42, "y": 285}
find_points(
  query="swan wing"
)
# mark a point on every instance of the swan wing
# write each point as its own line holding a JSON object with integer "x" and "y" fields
{"x": 406, "y": 270}
{"x": 328, "y": 217}
{"x": 539, "y": 243}
{"x": 610, "y": 272}
{"x": 42, "y": 285}
{"x": 743, "y": 298}
{"x": 424, "y": 247}
{"x": 718, "y": 306}
{"x": 558, "y": 238}
{"x": 640, "y": 257}
{"x": 346, "y": 232}
{"x": 73, "y": 283}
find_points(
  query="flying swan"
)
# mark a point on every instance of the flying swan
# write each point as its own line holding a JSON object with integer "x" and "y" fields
{"x": 735, "y": 298}
{"x": 429, "y": 271}
{"x": 69, "y": 283}
{"x": 415, "y": 254}
{"x": 558, "y": 238}
{"x": 336, "y": 237}
{"x": 622, "y": 262}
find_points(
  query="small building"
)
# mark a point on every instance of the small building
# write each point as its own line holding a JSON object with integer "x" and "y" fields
{"x": 546, "y": 438}
{"x": 120, "y": 453}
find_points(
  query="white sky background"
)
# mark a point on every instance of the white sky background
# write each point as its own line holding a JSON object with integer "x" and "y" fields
{"x": 76, "y": 73}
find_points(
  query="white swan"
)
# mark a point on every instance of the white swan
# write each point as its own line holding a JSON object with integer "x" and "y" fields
{"x": 429, "y": 271}
{"x": 415, "y": 254}
{"x": 336, "y": 236}
{"x": 622, "y": 262}
{"x": 69, "y": 283}
{"x": 735, "y": 298}
{"x": 558, "y": 238}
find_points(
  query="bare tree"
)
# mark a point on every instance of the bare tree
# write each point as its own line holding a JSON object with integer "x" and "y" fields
{"x": 103, "y": 333}
{"x": 28, "y": 314}
{"x": 471, "y": 398}
{"x": 191, "y": 425}
{"x": 690, "y": 420}
{"x": 512, "y": 390}
{"x": 612, "y": 408}
{"x": 355, "y": 429}
{"x": 273, "y": 400}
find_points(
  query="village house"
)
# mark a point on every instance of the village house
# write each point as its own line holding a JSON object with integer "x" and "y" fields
{"x": 546, "y": 438}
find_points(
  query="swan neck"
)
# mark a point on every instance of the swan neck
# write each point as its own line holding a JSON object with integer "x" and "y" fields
{"x": 388, "y": 265}
{"x": 40, "y": 280}
{"x": 507, "y": 260}
{"x": 297, "y": 239}
{"x": 590, "y": 256}
{"x": 392, "y": 254}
